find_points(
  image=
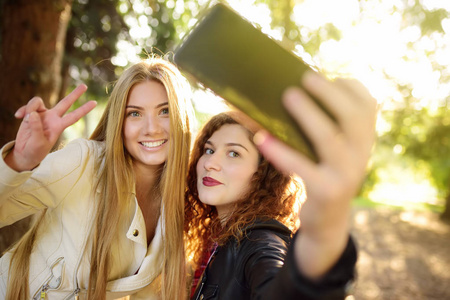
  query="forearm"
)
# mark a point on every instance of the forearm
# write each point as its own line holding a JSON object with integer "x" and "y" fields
{"x": 24, "y": 193}
{"x": 316, "y": 253}
{"x": 322, "y": 240}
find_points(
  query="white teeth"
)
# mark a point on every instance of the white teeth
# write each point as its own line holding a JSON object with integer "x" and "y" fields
{"x": 153, "y": 144}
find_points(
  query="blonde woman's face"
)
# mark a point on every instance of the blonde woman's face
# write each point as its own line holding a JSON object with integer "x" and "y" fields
{"x": 146, "y": 125}
{"x": 226, "y": 167}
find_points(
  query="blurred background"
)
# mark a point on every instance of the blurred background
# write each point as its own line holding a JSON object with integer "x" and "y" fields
{"x": 400, "y": 49}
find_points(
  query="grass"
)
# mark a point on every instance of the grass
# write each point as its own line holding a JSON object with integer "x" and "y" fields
{"x": 400, "y": 205}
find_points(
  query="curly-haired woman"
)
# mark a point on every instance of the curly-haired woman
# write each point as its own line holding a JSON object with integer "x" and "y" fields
{"x": 241, "y": 212}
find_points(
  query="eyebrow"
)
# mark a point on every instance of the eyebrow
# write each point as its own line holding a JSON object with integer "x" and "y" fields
{"x": 141, "y": 108}
{"x": 229, "y": 144}
{"x": 162, "y": 104}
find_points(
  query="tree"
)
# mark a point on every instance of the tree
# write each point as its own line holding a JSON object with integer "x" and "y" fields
{"x": 32, "y": 45}
{"x": 423, "y": 133}
{"x": 32, "y": 39}
{"x": 92, "y": 34}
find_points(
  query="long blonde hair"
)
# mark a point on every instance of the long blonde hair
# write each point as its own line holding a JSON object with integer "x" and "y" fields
{"x": 116, "y": 180}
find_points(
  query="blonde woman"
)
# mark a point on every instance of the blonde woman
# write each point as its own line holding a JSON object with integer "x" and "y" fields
{"x": 111, "y": 207}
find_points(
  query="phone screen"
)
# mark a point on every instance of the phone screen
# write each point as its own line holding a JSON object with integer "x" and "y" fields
{"x": 228, "y": 55}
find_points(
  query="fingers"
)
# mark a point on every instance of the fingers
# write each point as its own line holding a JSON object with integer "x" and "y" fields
{"x": 317, "y": 125}
{"x": 359, "y": 91}
{"x": 343, "y": 98}
{"x": 20, "y": 113}
{"x": 77, "y": 114}
{"x": 332, "y": 97}
{"x": 35, "y": 104}
{"x": 35, "y": 123}
{"x": 283, "y": 157}
{"x": 63, "y": 106}
{"x": 360, "y": 127}
{"x": 351, "y": 105}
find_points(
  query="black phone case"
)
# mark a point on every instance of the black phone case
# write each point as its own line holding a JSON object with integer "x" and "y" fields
{"x": 228, "y": 55}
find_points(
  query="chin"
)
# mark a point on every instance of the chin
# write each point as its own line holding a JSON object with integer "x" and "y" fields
{"x": 205, "y": 199}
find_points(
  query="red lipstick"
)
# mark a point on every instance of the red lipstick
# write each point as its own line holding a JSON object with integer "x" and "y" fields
{"x": 209, "y": 181}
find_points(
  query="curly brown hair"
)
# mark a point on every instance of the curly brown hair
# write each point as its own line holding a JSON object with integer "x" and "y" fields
{"x": 272, "y": 195}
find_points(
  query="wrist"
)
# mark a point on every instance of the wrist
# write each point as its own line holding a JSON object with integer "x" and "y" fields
{"x": 315, "y": 255}
{"x": 17, "y": 162}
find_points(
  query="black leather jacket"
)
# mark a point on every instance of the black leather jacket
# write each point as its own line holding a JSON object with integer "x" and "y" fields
{"x": 262, "y": 267}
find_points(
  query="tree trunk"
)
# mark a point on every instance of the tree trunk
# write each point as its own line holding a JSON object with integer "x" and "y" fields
{"x": 32, "y": 43}
{"x": 446, "y": 214}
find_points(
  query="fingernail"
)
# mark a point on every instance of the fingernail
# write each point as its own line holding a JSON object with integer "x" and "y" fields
{"x": 260, "y": 137}
{"x": 17, "y": 114}
{"x": 27, "y": 116}
{"x": 289, "y": 94}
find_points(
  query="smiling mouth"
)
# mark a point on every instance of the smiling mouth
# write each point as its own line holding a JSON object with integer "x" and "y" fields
{"x": 153, "y": 144}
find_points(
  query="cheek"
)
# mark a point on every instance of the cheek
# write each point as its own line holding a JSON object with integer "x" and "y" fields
{"x": 166, "y": 125}
{"x": 244, "y": 176}
{"x": 126, "y": 131}
{"x": 242, "y": 180}
{"x": 129, "y": 129}
{"x": 199, "y": 167}
{"x": 246, "y": 180}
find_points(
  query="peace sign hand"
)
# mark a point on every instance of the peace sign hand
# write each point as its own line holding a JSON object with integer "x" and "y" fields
{"x": 41, "y": 128}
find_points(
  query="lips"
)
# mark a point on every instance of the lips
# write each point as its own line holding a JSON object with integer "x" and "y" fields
{"x": 209, "y": 181}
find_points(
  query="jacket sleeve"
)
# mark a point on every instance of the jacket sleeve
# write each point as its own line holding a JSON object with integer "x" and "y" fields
{"x": 25, "y": 193}
{"x": 269, "y": 278}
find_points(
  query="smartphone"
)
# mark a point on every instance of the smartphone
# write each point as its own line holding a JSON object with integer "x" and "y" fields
{"x": 234, "y": 59}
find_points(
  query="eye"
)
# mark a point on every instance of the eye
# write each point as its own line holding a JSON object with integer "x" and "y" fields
{"x": 133, "y": 113}
{"x": 164, "y": 111}
{"x": 209, "y": 151}
{"x": 233, "y": 154}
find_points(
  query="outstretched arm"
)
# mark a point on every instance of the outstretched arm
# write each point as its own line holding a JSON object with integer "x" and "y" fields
{"x": 41, "y": 128}
{"x": 343, "y": 148}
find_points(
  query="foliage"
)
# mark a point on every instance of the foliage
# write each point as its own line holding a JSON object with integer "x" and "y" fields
{"x": 91, "y": 40}
{"x": 418, "y": 134}
{"x": 418, "y": 137}
{"x": 97, "y": 26}
{"x": 424, "y": 136}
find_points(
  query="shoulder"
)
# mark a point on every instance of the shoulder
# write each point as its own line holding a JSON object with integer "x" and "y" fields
{"x": 261, "y": 253}
{"x": 83, "y": 146}
{"x": 264, "y": 240}
{"x": 268, "y": 231}
{"x": 76, "y": 155}
{"x": 77, "y": 150}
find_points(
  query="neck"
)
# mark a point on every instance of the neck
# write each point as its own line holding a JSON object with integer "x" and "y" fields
{"x": 223, "y": 218}
{"x": 147, "y": 180}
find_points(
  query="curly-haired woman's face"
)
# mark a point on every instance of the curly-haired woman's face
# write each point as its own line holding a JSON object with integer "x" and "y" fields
{"x": 226, "y": 167}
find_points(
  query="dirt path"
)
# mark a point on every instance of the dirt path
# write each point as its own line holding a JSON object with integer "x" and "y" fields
{"x": 402, "y": 255}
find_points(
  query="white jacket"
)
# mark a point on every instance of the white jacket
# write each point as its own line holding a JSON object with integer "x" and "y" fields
{"x": 63, "y": 183}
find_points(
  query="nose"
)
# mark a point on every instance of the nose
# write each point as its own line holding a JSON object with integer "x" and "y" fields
{"x": 152, "y": 125}
{"x": 212, "y": 162}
